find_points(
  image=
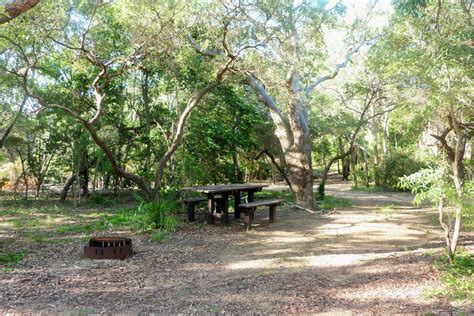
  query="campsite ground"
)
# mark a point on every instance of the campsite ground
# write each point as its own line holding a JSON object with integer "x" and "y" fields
{"x": 375, "y": 256}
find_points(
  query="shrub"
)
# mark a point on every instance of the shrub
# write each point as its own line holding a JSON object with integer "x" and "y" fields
{"x": 457, "y": 277}
{"x": 153, "y": 215}
{"x": 398, "y": 165}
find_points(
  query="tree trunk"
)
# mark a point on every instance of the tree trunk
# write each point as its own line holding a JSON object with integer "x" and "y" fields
{"x": 24, "y": 173}
{"x": 354, "y": 169}
{"x": 179, "y": 134}
{"x": 386, "y": 119}
{"x": 345, "y": 161}
{"x": 12, "y": 124}
{"x": 366, "y": 168}
{"x": 300, "y": 175}
{"x": 294, "y": 140}
{"x": 85, "y": 179}
{"x": 96, "y": 175}
{"x": 15, "y": 8}
{"x": 146, "y": 105}
{"x": 105, "y": 186}
{"x": 239, "y": 175}
{"x": 374, "y": 130}
{"x": 276, "y": 164}
{"x": 67, "y": 186}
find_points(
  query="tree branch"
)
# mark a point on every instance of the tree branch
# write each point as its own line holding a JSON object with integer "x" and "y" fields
{"x": 12, "y": 124}
{"x": 309, "y": 89}
{"x": 15, "y": 8}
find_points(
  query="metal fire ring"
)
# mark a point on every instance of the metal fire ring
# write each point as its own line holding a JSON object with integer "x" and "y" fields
{"x": 108, "y": 248}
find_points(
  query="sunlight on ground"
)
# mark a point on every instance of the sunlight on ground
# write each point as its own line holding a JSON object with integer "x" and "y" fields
{"x": 323, "y": 261}
{"x": 409, "y": 294}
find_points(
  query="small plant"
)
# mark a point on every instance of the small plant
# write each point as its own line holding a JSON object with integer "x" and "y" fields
{"x": 458, "y": 277}
{"x": 153, "y": 215}
{"x": 440, "y": 187}
{"x": 10, "y": 260}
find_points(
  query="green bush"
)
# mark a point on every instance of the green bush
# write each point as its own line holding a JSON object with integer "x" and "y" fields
{"x": 398, "y": 165}
{"x": 153, "y": 215}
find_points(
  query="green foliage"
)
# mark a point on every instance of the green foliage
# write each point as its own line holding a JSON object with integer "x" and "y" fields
{"x": 398, "y": 165}
{"x": 428, "y": 184}
{"x": 99, "y": 199}
{"x": 458, "y": 277}
{"x": 9, "y": 260}
{"x": 153, "y": 215}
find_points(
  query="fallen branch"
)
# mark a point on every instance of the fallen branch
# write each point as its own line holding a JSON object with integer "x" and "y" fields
{"x": 305, "y": 209}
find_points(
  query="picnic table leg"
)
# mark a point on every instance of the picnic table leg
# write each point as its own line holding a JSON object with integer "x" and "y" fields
{"x": 225, "y": 209}
{"x": 191, "y": 217}
{"x": 210, "y": 209}
{"x": 236, "y": 204}
{"x": 250, "y": 216}
{"x": 272, "y": 213}
{"x": 250, "y": 195}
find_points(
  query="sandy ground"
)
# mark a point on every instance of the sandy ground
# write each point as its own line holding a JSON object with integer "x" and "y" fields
{"x": 358, "y": 260}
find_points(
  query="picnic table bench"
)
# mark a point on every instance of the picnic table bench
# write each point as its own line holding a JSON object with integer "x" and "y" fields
{"x": 193, "y": 201}
{"x": 249, "y": 209}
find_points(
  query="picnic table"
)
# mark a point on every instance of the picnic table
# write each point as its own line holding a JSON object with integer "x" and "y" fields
{"x": 224, "y": 191}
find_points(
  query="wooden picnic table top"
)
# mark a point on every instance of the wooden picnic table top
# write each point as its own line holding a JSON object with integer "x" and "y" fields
{"x": 221, "y": 188}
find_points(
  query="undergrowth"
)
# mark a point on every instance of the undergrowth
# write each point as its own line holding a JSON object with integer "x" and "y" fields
{"x": 458, "y": 278}
{"x": 152, "y": 215}
{"x": 9, "y": 260}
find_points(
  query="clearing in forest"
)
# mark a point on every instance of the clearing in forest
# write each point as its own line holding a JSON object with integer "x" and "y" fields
{"x": 373, "y": 256}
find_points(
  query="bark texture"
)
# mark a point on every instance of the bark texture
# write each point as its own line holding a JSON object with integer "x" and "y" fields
{"x": 16, "y": 8}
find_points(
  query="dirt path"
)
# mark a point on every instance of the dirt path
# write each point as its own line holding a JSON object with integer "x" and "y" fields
{"x": 370, "y": 258}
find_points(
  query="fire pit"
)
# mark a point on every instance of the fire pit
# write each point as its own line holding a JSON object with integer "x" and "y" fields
{"x": 108, "y": 248}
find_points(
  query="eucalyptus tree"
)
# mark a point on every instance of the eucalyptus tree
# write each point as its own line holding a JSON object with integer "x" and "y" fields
{"x": 279, "y": 48}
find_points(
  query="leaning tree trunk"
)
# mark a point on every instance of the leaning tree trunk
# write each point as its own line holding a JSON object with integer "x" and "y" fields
{"x": 67, "y": 187}
{"x": 194, "y": 101}
{"x": 345, "y": 161}
{"x": 293, "y": 135}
